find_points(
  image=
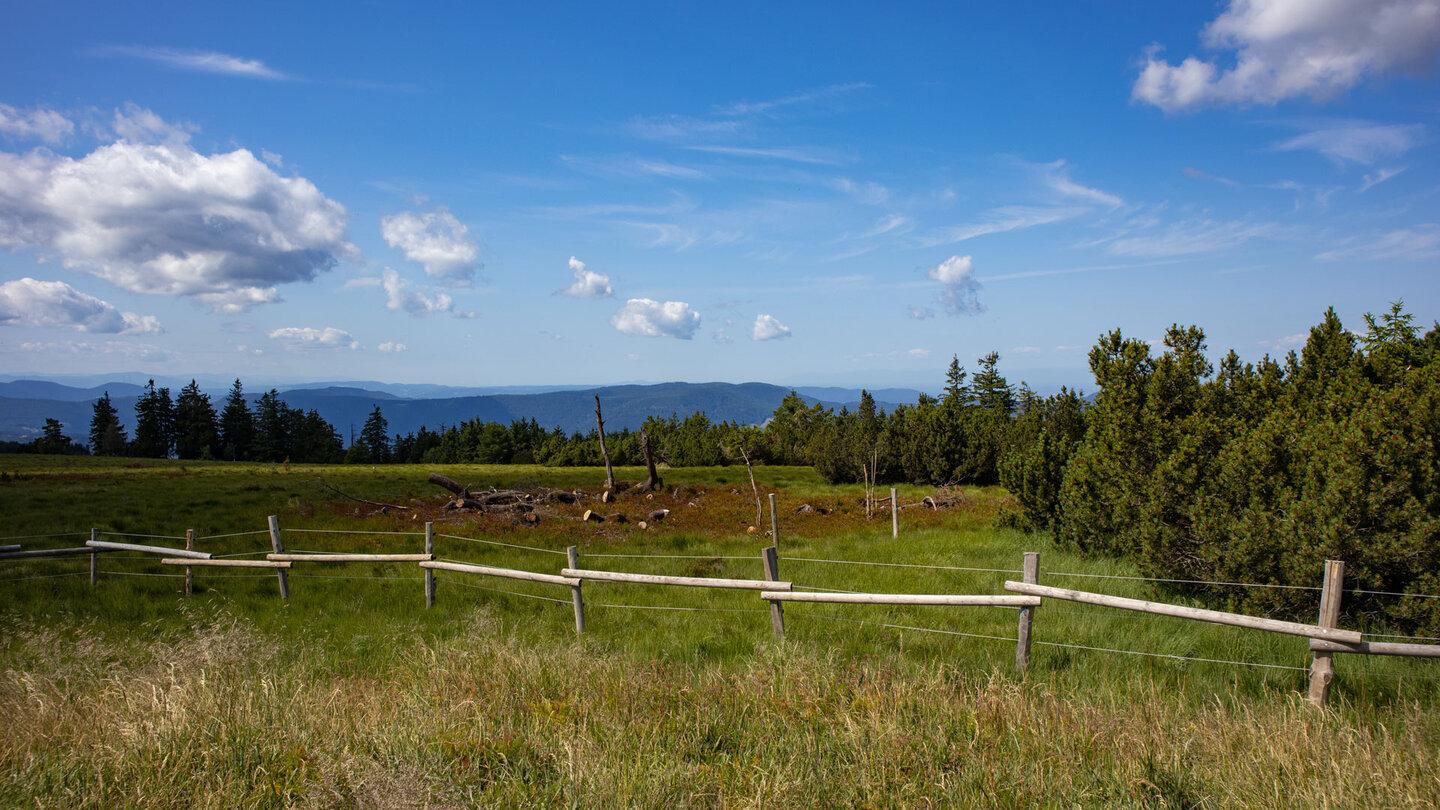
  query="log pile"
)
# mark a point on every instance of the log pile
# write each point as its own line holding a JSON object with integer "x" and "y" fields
{"x": 491, "y": 501}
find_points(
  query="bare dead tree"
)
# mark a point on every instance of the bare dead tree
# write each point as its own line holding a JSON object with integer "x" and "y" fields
{"x": 600, "y": 426}
{"x": 759, "y": 513}
{"x": 652, "y": 482}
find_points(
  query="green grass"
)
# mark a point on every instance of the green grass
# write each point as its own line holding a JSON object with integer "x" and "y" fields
{"x": 352, "y": 693}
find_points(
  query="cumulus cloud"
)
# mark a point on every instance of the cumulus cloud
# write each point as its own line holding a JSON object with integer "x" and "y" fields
{"x": 304, "y": 337}
{"x": 959, "y": 297}
{"x": 164, "y": 219}
{"x": 400, "y": 296}
{"x": 1289, "y": 48}
{"x": 44, "y": 125}
{"x": 768, "y": 328}
{"x": 436, "y": 240}
{"x": 1357, "y": 141}
{"x": 588, "y": 283}
{"x": 396, "y": 348}
{"x": 28, "y": 302}
{"x": 647, "y": 318}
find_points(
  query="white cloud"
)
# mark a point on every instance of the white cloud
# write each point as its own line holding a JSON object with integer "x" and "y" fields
{"x": 45, "y": 125}
{"x": 1407, "y": 244}
{"x": 865, "y": 192}
{"x": 921, "y": 313}
{"x": 630, "y": 166}
{"x": 959, "y": 297}
{"x": 28, "y": 302}
{"x": 1376, "y": 178}
{"x": 588, "y": 283}
{"x": 436, "y": 240}
{"x": 136, "y": 124}
{"x": 742, "y": 108}
{"x": 393, "y": 347}
{"x": 199, "y": 61}
{"x": 642, "y": 316}
{"x": 1357, "y": 141}
{"x": 1025, "y": 350}
{"x": 1289, "y": 48}
{"x": 400, "y": 297}
{"x": 1196, "y": 236}
{"x": 304, "y": 337}
{"x": 142, "y": 352}
{"x": 796, "y": 154}
{"x": 273, "y": 158}
{"x": 768, "y": 328}
{"x": 1001, "y": 220}
{"x": 1057, "y": 178}
{"x": 221, "y": 229}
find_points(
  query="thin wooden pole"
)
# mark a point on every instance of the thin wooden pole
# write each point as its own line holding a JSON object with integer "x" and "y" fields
{"x": 572, "y": 558}
{"x": 94, "y": 558}
{"x": 429, "y": 574}
{"x": 774, "y": 522}
{"x": 771, "y": 558}
{"x": 1322, "y": 669}
{"x": 279, "y": 549}
{"x": 189, "y": 572}
{"x": 1027, "y": 614}
{"x": 894, "y": 514}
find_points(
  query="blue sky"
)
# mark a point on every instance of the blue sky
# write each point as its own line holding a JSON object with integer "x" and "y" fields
{"x": 825, "y": 193}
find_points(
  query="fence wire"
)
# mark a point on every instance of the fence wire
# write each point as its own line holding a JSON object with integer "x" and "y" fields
{"x": 498, "y": 543}
{"x": 1044, "y": 574}
{"x": 899, "y": 626}
{"x": 902, "y": 565}
{"x": 44, "y": 536}
{"x": 146, "y": 536}
{"x": 464, "y": 584}
{"x": 1170, "y": 656}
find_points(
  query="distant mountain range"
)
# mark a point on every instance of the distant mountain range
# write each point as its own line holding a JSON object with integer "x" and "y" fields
{"x": 26, "y": 404}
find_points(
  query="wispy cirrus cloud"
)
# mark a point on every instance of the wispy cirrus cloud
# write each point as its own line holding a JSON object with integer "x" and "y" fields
{"x": 802, "y": 98}
{"x": 795, "y": 154}
{"x": 1193, "y": 236}
{"x": 1356, "y": 141}
{"x": 1419, "y": 243}
{"x": 1001, "y": 220}
{"x": 195, "y": 60}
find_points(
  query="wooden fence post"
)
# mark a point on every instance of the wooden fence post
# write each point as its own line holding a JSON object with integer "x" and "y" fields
{"x": 279, "y": 549}
{"x": 894, "y": 514}
{"x": 771, "y": 558}
{"x": 774, "y": 522}
{"x": 189, "y": 572}
{"x": 94, "y": 559}
{"x": 1031, "y": 574}
{"x": 429, "y": 574}
{"x": 572, "y": 558}
{"x": 1322, "y": 669}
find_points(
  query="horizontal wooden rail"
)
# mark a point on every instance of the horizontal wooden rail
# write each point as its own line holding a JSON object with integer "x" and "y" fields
{"x": 507, "y": 573}
{"x": 991, "y": 600}
{"x": 6, "y": 549}
{"x": 50, "y": 552}
{"x": 1377, "y": 648}
{"x": 1183, "y": 612}
{"x": 689, "y": 582}
{"x": 173, "y": 552}
{"x": 226, "y": 563}
{"x": 338, "y": 558}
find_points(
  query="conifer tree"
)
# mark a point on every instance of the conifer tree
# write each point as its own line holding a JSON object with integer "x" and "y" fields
{"x": 237, "y": 426}
{"x": 107, "y": 435}
{"x": 196, "y": 425}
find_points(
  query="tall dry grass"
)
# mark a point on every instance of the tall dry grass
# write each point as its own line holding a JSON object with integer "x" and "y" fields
{"x": 222, "y": 714}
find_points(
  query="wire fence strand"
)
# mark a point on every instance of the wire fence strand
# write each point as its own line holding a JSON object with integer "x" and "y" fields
{"x": 901, "y": 626}
{"x": 498, "y": 543}
{"x": 903, "y": 565}
{"x": 44, "y": 536}
{"x": 673, "y": 556}
{"x": 233, "y": 534}
{"x": 464, "y": 584}
{"x": 674, "y": 607}
{"x": 1044, "y": 574}
{"x": 146, "y": 536}
{"x": 352, "y": 531}
{"x": 46, "y": 576}
{"x": 1170, "y": 656}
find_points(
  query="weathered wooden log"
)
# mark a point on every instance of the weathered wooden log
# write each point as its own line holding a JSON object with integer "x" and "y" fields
{"x": 592, "y": 516}
{"x": 143, "y": 549}
{"x": 607, "y": 497}
{"x": 643, "y": 525}
{"x": 658, "y": 515}
{"x": 348, "y": 558}
{"x": 971, "y": 600}
{"x": 617, "y": 518}
{"x": 690, "y": 582}
{"x": 652, "y": 479}
{"x": 506, "y": 573}
{"x": 450, "y": 484}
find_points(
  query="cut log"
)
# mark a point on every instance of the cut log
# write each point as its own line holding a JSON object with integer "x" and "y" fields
{"x": 600, "y": 428}
{"x": 804, "y": 509}
{"x": 659, "y": 515}
{"x": 531, "y": 517}
{"x": 617, "y": 518}
{"x": 607, "y": 497}
{"x": 642, "y": 524}
{"x": 592, "y": 516}
{"x": 450, "y": 484}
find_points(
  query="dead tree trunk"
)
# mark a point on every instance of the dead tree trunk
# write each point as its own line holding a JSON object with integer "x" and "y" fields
{"x": 450, "y": 484}
{"x": 759, "y": 512}
{"x": 600, "y": 426}
{"x": 652, "y": 481}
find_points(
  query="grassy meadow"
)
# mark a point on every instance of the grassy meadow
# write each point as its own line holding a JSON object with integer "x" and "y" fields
{"x": 352, "y": 693}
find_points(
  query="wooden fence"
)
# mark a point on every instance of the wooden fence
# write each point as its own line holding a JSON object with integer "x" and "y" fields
{"x": 1325, "y": 638}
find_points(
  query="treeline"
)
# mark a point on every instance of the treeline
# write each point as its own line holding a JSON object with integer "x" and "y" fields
{"x": 1257, "y": 473}
{"x": 188, "y": 427}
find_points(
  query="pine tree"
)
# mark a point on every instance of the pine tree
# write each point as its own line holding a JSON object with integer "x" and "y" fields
{"x": 237, "y": 426}
{"x": 375, "y": 439}
{"x": 196, "y": 426}
{"x": 154, "y": 423}
{"x": 107, "y": 435}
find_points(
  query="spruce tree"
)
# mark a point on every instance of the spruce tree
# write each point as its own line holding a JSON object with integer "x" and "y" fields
{"x": 154, "y": 423}
{"x": 237, "y": 426}
{"x": 107, "y": 435}
{"x": 196, "y": 426}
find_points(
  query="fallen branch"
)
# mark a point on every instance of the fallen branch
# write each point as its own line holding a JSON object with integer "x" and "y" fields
{"x": 361, "y": 500}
